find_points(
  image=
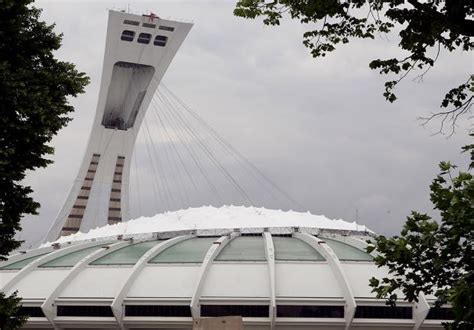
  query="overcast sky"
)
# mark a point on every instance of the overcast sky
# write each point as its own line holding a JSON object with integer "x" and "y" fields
{"x": 319, "y": 128}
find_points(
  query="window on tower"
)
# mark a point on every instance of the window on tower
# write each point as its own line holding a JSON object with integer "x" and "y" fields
{"x": 148, "y": 25}
{"x": 160, "y": 41}
{"x": 128, "y": 35}
{"x": 131, "y": 22}
{"x": 166, "y": 28}
{"x": 144, "y": 38}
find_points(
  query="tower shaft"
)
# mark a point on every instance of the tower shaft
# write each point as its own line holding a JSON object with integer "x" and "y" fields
{"x": 138, "y": 51}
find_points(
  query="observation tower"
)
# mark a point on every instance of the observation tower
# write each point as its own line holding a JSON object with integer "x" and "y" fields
{"x": 138, "y": 51}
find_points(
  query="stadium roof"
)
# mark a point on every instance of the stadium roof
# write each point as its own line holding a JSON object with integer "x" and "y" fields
{"x": 222, "y": 218}
{"x": 281, "y": 277}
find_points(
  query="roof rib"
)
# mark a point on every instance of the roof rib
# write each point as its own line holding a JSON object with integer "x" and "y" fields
{"x": 117, "y": 304}
{"x": 213, "y": 251}
{"x": 9, "y": 286}
{"x": 270, "y": 254}
{"x": 25, "y": 254}
{"x": 420, "y": 308}
{"x": 48, "y": 304}
{"x": 335, "y": 265}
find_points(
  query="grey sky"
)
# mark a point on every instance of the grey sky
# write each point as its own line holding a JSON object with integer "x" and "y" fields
{"x": 319, "y": 128}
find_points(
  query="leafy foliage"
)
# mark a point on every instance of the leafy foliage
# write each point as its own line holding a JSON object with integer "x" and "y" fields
{"x": 434, "y": 257}
{"x": 424, "y": 29}
{"x": 34, "y": 87}
{"x": 10, "y": 315}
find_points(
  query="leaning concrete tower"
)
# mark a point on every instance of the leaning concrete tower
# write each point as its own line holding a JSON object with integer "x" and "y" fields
{"x": 138, "y": 51}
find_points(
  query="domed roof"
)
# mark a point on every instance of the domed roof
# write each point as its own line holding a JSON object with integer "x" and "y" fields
{"x": 209, "y": 218}
{"x": 282, "y": 269}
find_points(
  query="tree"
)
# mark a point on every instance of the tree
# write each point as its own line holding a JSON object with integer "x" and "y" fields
{"x": 425, "y": 28}
{"x": 34, "y": 87}
{"x": 10, "y": 314}
{"x": 435, "y": 257}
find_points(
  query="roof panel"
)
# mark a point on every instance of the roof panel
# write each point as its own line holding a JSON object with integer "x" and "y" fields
{"x": 96, "y": 282}
{"x": 358, "y": 277}
{"x": 346, "y": 252}
{"x": 22, "y": 263}
{"x": 246, "y": 248}
{"x": 128, "y": 255}
{"x": 175, "y": 281}
{"x": 230, "y": 280}
{"x": 288, "y": 248}
{"x": 70, "y": 259}
{"x": 307, "y": 280}
{"x": 40, "y": 283}
{"x": 190, "y": 250}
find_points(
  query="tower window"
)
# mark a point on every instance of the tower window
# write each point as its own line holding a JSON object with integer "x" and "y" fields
{"x": 166, "y": 28}
{"x": 149, "y": 25}
{"x": 128, "y": 35}
{"x": 131, "y": 22}
{"x": 160, "y": 41}
{"x": 144, "y": 38}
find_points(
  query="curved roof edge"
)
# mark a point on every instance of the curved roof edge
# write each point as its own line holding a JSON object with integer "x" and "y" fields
{"x": 209, "y": 219}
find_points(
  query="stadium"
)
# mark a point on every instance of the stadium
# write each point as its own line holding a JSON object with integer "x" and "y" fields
{"x": 99, "y": 269}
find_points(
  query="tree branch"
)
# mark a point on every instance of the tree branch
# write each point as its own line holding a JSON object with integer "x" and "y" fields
{"x": 451, "y": 116}
{"x": 465, "y": 26}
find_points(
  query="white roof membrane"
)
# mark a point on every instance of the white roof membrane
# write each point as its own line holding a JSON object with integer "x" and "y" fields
{"x": 209, "y": 217}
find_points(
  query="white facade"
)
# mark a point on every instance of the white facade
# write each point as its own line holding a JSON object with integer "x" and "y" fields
{"x": 138, "y": 51}
{"x": 276, "y": 278}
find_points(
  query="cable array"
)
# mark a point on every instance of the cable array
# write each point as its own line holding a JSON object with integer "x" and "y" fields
{"x": 193, "y": 165}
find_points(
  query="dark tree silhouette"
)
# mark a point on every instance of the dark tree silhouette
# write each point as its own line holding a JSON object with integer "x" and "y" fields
{"x": 34, "y": 87}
